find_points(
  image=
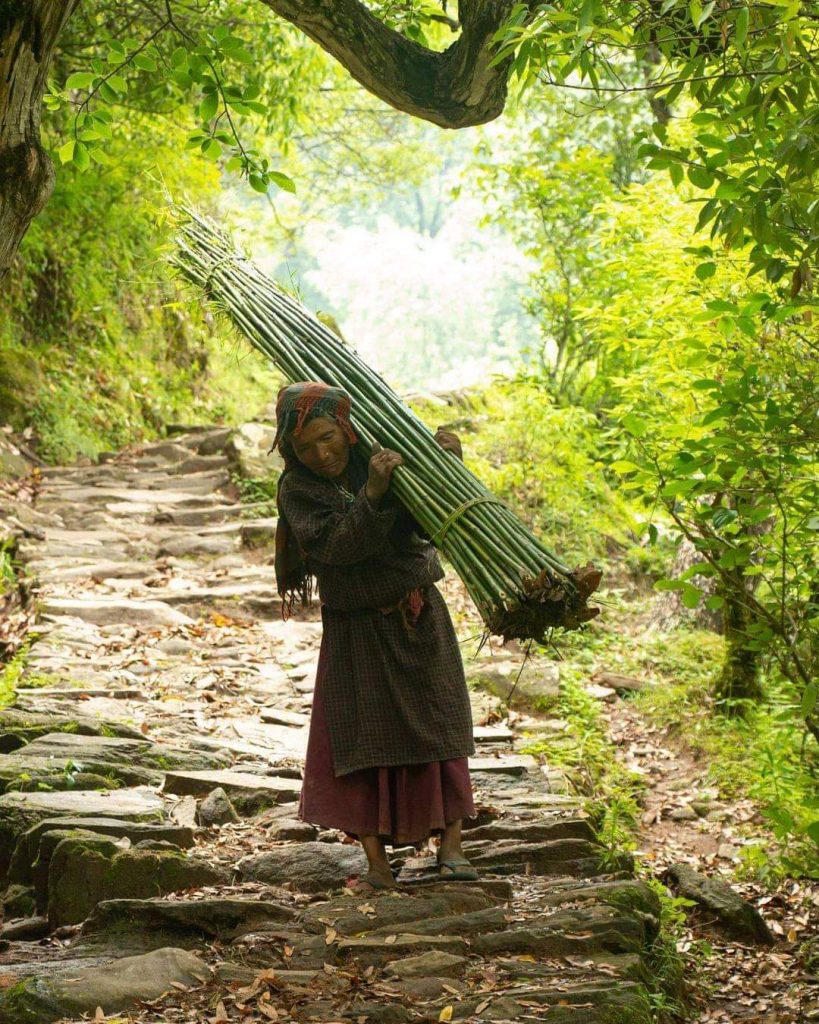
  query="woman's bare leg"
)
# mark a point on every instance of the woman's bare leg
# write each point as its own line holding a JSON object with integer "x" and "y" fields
{"x": 380, "y": 869}
{"x": 450, "y": 847}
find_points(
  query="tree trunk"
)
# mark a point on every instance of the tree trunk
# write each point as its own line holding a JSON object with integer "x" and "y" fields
{"x": 28, "y": 34}
{"x": 669, "y": 612}
{"x": 454, "y": 89}
{"x": 739, "y": 679}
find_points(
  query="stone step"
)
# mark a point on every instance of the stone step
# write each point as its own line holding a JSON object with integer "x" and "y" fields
{"x": 215, "y": 514}
{"x": 279, "y": 716}
{"x": 18, "y": 727}
{"x": 20, "y": 811}
{"x": 25, "y": 852}
{"x": 80, "y": 692}
{"x": 242, "y": 787}
{"x": 75, "y": 992}
{"x": 377, "y": 950}
{"x": 151, "y": 923}
{"x": 102, "y": 611}
{"x": 492, "y": 734}
{"x": 519, "y": 764}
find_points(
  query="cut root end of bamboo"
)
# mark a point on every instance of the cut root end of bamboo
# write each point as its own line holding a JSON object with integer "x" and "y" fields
{"x": 548, "y": 602}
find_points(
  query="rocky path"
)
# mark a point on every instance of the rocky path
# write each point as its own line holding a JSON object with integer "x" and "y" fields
{"x": 153, "y": 866}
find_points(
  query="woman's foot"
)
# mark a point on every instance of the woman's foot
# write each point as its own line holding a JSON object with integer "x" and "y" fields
{"x": 452, "y": 864}
{"x": 376, "y": 881}
{"x": 379, "y": 876}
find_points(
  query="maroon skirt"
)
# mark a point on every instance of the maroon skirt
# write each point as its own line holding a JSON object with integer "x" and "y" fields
{"x": 403, "y": 805}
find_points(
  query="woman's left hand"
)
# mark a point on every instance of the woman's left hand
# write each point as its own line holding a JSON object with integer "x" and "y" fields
{"x": 449, "y": 442}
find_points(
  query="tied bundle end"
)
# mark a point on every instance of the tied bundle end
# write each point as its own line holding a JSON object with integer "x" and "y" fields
{"x": 548, "y": 602}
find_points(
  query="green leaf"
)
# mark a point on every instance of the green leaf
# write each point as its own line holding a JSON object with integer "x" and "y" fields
{"x": 808, "y": 702}
{"x": 144, "y": 62}
{"x": 669, "y": 585}
{"x": 258, "y": 183}
{"x": 212, "y": 149}
{"x": 691, "y": 596}
{"x": 813, "y": 831}
{"x": 741, "y": 27}
{"x": 634, "y": 425}
{"x": 118, "y": 83}
{"x": 179, "y": 57}
{"x": 282, "y": 181}
{"x": 714, "y": 603}
{"x": 81, "y": 158}
{"x": 80, "y": 80}
{"x": 66, "y": 155}
{"x": 209, "y": 106}
{"x": 705, "y": 270}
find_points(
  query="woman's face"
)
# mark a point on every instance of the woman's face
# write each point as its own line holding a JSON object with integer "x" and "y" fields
{"x": 322, "y": 447}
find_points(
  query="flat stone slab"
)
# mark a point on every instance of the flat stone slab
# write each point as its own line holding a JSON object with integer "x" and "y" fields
{"x": 127, "y": 495}
{"x": 307, "y": 867}
{"x": 280, "y": 717}
{"x": 114, "y": 986}
{"x": 434, "y": 964}
{"x": 154, "y": 922}
{"x": 378, "y": 949}
{"x": 18, "y": 727}
{"x": 200, "y": 783}
{"x": 19, "y": 811}
{"x": 105, "y": 611}
{"x": 517, "y": 765}
{"x": 26, "y": 850}
{"x": 492, "y": 734}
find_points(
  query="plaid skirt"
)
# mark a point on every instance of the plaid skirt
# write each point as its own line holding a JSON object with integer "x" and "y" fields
{"x": 404, "y": 804}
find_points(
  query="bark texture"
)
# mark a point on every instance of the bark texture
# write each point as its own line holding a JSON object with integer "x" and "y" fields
{"x": 28, "y": 35}
{"x": 454, "y": 89}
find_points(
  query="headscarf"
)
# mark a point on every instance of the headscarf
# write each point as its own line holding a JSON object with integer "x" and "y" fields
{"x": 296, "y": 405}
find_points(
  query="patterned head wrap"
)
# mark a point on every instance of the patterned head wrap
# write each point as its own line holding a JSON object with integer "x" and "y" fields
{"x": 296, "y": 405}
{"x": 307, "y": 400}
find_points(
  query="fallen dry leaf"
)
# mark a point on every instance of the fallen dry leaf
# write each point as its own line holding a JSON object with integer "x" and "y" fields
{"x": 390, "y": 939}
{"x": 445, "y": 1014}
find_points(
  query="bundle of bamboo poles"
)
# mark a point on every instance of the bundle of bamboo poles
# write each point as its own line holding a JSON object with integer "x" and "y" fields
{"x": 520, "y": 588}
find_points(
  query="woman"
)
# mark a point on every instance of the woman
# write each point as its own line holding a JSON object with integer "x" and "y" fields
{"x": 391, "y": 726}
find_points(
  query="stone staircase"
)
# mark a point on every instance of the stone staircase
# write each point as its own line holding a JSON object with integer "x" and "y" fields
{"x": 149, "y": 849}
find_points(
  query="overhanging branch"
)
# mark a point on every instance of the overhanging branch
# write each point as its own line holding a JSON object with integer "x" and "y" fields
{"x": 454, "y": 89}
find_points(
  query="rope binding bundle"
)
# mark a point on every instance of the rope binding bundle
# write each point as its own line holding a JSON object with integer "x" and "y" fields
{"x": 520, "y": 588}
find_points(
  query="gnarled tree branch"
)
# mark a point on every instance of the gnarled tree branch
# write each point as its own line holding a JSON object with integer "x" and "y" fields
{"x": 28, "y": 36}
{"x": 454, "y": 89}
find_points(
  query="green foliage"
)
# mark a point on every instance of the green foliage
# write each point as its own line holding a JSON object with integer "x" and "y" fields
{"x": 762, "y": 756}
{"x": 739, "y": 477}
{"x": 745, "y": 73}
{"x": 208, "y": 66}
{"x": 10, "y": 674}
{"x": 543, "y": 460}
{"x": 89, "y": 303}
{"x": 549, "y": 186}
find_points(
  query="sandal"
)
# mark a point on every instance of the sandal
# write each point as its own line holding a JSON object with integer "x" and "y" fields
{"x": 459, "y": 870}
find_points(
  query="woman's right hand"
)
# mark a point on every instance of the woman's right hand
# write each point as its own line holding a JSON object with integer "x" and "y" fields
{"x": 382, "y": 463}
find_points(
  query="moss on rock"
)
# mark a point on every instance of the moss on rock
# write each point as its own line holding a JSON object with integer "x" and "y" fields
{"x": 85, "y": 869}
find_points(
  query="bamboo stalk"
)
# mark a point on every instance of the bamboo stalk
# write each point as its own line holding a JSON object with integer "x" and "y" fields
{"x": 519, "y": 586}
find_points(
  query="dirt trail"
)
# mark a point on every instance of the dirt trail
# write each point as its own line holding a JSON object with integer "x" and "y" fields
{"x": 152, "y": 860}
{"x": 684, "y": 821}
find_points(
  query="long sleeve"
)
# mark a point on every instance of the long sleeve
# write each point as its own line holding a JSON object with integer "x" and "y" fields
{"x": 332, "y": 535}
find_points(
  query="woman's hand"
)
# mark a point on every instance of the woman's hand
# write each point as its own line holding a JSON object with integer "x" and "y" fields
{"x": 379, "y": 473}
{"x": 449, "y": 442}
